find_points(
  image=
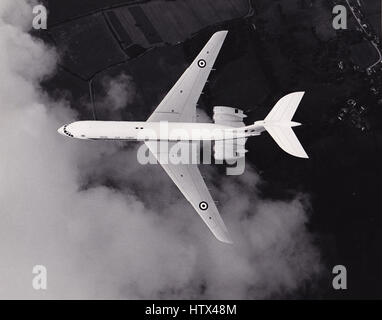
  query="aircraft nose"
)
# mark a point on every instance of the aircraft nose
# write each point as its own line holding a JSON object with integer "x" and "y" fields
{"x": 61, "y": 131}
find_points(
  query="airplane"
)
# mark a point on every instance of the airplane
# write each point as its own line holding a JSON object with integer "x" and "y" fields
{"x": 178, "y": 110}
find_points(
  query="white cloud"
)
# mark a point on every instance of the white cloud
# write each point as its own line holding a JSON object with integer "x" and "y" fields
{"x": 119, "y": 91}
{"x": 137, "y": 239}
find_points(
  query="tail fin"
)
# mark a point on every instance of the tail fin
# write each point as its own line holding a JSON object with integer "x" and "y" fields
{"x": 279, "y": 125}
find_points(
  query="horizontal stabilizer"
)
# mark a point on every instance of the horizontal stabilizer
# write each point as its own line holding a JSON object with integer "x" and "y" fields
{"x": 286, "y": 139}
{"x": 279, "y": 124}
{"x": 285, "y": 108}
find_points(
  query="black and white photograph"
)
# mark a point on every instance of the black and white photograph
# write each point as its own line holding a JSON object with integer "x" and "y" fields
{"x": 190, "y": 150}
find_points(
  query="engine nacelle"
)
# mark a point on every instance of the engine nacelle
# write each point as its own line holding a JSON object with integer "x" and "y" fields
{"x": 229, "y": 149}
{"x": 229, "y": 116}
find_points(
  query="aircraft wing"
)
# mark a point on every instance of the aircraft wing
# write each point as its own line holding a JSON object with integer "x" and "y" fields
{"x": 188, "y": 179}
{"x": 179, "y": 105}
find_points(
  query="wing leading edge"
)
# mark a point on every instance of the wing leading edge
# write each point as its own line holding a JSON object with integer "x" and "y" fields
{"x": 179, "y": 105}
{"x": 188, "y": 179}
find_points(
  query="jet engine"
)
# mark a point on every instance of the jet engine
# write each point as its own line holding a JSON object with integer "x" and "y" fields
{"x": 234, "y": 148}
{"x": 229, "y": 116}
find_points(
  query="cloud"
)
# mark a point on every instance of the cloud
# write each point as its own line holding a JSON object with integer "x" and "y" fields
{"x": 106, "y": 227}
{"x": 119, "y": 91}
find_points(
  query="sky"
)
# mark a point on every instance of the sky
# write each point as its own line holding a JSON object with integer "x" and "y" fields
{"x": 106, "y": 227}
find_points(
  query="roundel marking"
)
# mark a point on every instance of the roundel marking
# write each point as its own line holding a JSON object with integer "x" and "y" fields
{"x": 202, "y": 63}
{"x": 203, "y": 206}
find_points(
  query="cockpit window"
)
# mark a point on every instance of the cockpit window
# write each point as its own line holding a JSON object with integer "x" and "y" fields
{"x": 67, "y": 132}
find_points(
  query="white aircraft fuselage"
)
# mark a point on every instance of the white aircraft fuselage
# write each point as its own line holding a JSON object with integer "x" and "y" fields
{"x": 157, "y": 131}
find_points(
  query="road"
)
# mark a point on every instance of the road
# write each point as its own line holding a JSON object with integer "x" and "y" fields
{"x": 373, "y": 43}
